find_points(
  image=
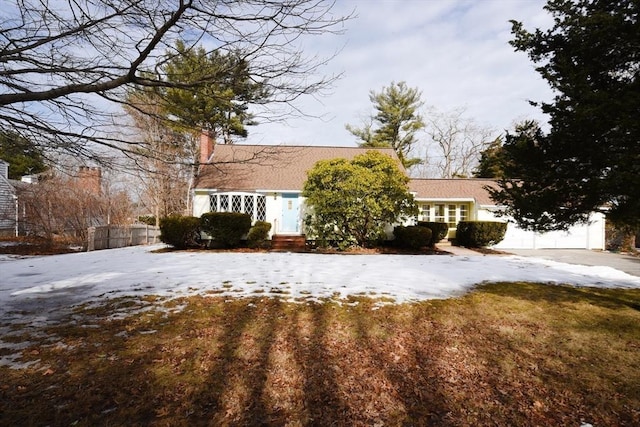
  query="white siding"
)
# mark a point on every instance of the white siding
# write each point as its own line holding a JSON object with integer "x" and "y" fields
{"x": 273, "y": 207}
{"x": 7, "y": 205}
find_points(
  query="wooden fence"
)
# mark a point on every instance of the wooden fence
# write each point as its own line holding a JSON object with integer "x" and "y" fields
{"x": 119, "y": 236}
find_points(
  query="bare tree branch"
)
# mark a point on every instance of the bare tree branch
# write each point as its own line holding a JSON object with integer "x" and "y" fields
{"x": 65, "y": 66}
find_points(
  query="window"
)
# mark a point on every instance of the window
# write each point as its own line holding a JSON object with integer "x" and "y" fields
{"x": 261, "y": 208}
{"x": 451, "y": 214}
{"x": 464, "y": 213}
{"x": 439, "y": 213}
{"x": 236, "y": 203}
{"x": 425, "y": 213}
{"x": 213, "y": 203}
{"x": 248, "y": 205}
{"x": 252, "y": 204}
{"x": 224, "y": 203}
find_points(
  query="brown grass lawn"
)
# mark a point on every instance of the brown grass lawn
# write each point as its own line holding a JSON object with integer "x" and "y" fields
{"x": 506, "y": 354}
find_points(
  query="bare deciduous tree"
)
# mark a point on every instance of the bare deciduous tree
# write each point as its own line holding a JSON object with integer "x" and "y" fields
{"x": 161, "y": 181}
{"x": 59, "y": 205}
{"x": 67, "y": 64}
{"x": 455, "y": 145}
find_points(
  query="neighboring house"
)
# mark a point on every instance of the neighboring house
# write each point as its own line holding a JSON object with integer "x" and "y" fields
{"x": 12, "y": 207}
{"x": 7, "y": 201}
{"x": 266, "y": 182}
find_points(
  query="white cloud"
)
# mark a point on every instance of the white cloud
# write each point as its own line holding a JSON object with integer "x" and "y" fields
{"x": 456, "y": 52}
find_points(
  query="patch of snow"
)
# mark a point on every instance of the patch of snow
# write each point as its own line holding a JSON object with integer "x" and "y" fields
{"x": 43, "y": 289}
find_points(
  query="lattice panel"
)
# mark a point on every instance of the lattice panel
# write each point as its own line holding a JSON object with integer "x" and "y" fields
{"x": 236, "y": 203}
{"x": 224, "y": 203}
{"x": 213, "y": 203}
{"x": 248, "y": 206}
{"x": 261, "y": 208}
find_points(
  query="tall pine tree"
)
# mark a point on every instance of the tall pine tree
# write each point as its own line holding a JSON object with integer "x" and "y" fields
{"x": 397, "y": 120}
{"x": 211, "y": 91}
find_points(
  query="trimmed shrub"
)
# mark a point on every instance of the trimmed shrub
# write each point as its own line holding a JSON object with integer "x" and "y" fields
{"x": 181, "y": 232}
{"x": 226, "y": 229}
{"x": 412, "y": 237}
{"x": 439, "y": 230}
{"x": 477, "y": 234}
{"x": 259, "y": 234}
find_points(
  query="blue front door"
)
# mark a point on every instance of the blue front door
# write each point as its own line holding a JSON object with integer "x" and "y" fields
{"x": 290, "y": 213}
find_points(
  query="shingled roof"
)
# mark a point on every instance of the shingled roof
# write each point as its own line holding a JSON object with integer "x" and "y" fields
{"x": 272, "y": 168}
{"x": 462, "y": 189}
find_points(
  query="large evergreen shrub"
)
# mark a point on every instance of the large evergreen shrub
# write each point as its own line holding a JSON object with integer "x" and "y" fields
{"x": 350, "y": 202}
{"x": 226, "y": 229}
{"x": 477, "y": 234}
{"x": 181, "y": 232}
{"x": 412, "y": 237}
{"x": 439, "y": 230}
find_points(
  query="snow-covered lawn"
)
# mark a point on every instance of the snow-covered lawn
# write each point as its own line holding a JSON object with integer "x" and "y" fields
{"x": 45, "y": 285}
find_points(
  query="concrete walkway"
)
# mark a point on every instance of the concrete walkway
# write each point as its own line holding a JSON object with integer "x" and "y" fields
{"x": 457, "y": 250}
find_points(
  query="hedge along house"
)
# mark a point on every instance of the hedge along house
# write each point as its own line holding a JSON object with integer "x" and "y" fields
{"x": 455, "y": 200}
{"x": 263, "y": 181}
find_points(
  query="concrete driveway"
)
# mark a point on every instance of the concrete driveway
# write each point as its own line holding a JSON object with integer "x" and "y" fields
{"x": 624, "y": 262}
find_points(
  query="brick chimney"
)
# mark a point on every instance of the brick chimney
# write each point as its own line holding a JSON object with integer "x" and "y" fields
{"x": 207, "y": 143}
{"x": 90, "y": 179}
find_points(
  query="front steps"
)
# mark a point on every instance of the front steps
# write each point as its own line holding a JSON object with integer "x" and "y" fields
{"x": 288, "y": 243}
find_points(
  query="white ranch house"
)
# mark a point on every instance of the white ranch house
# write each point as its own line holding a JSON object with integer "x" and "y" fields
{"x": 266, "y": 182}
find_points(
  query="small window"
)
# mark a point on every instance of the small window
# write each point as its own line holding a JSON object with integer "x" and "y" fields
{"x": 248, "y": 206}
{"x": 213, "y": 203}
{"x": 464, "y": 213}
{"x": 439, "y": 213}
{"x": 224, "y": 203}
{"x": 236, "y": 203}
{"x": 261, "y": 208}
{"x": 452, "y": 216}
{"x": 425, "y": 212}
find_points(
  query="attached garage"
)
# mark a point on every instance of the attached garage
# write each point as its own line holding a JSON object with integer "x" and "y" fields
{"x": 580, "y": 236}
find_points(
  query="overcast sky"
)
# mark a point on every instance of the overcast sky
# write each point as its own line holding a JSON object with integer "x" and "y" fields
{"x": 455, "y": 51}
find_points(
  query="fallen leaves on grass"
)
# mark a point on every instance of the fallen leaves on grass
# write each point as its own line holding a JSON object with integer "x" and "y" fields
{"x": 507, "y": 354}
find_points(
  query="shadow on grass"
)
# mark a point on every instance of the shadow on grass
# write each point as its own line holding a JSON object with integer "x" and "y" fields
{"x": 495, "y": 357}
{"x": 566, "y": 294}
{"x": 408, "y": 360}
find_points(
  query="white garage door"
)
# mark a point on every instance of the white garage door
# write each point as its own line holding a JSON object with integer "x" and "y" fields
{"x": 581, "y": 236}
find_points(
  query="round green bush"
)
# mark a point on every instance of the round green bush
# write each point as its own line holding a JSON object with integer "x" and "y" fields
{"x": 226, "y": 229}
{"x": 181, "y": 232}
{"x": 412, "y": 237}
{"x": 259, "y": 234}
{"x": 439, "y": 231}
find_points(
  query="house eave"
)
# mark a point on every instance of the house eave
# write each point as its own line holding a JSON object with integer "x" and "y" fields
{"x": 445, "y": 199}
